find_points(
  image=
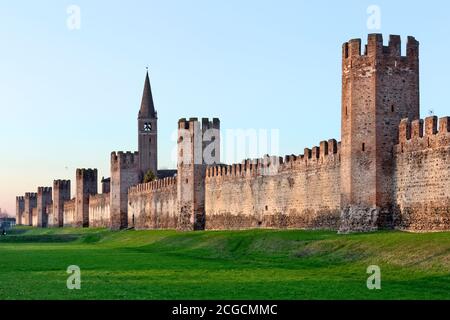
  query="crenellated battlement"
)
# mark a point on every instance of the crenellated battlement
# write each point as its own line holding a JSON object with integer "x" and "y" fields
{"x": 327, "y": 152}
{"x": 61, "y": 184}
{"x": 127, "y": 158}
{"x": 205, "y": 123}
{"x": 96, "y": 199}
{"x": 153, "y": 185}
{"x": 386, "y": 172}
{"x": 44, "y": 190}
{"x": 31, "y": 195}
{"x": 86, "y": 173}
{"x": 317, "y": 155}
{"x": 376, "y": 48}
{"x": 423, "y": 134}
{"x": 326, "y": 148}
{"x": 69, "y": 204}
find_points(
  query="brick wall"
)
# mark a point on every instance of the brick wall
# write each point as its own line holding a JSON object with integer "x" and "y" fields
{"x": 422, "y": 177}
{"x": 50, "y": 216}
{"x": 99, "y": 214}
{"x": 299, "y": 192}
{"x": 34, "y": 220}
{"x": 124, "y": 174}
{"x": 69, "y": 213}
{"x": 153, "y": 205}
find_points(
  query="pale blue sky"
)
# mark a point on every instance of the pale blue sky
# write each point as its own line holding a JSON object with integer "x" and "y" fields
{"x": 69, "y": 98}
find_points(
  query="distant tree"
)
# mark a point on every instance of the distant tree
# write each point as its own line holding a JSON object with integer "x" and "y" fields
{"x": 149, "y": 176}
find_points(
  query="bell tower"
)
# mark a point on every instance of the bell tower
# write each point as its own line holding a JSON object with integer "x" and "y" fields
{"x": 148, "y": 132}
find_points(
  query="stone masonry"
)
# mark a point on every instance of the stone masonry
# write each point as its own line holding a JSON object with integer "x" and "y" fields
{"x": 125, "y": 173}
{"x": 391, "y": 169}
{"x": 86, "y": 185}
{"x": 61, "y": 194}
{"x": 44, "y": 198}
{"x": 379, "y": 88}
{"x": 192, "y": 164}
{"x": 20, "y": 210}
{"x": 30, "y": 204}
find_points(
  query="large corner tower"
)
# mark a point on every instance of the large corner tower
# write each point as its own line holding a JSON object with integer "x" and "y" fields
{"x": 148, "y": 132}
{"x": 379, "y": 88}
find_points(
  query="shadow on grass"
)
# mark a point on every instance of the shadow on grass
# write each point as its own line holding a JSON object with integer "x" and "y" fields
{"x": 17, "y": 231}
{"x": 57, "y": 238}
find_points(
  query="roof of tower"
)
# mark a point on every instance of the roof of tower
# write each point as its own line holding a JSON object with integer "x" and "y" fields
{"x": 147, "y": 106}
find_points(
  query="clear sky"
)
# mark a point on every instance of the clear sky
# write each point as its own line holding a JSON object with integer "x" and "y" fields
{"x": 68, "y": 96}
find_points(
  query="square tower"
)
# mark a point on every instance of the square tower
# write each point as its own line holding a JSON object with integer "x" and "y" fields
{"x": 20, "y": 209}
{"x": 44, "y": 198}
{"x": 30, "y": 204}
{"x": 125, "y": 173}
{"x": 86, "y": 185}
{"x": 61, "y": 194}
{"x": 106, "y": 185}
{"x": 198, "y": 148}
{"x": 379, "y": 88}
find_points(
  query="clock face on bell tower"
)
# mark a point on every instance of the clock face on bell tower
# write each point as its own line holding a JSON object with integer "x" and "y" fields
{"x": 147, "y": 127}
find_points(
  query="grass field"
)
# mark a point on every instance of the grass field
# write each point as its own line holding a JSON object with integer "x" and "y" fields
{"x": 254, "y": 264}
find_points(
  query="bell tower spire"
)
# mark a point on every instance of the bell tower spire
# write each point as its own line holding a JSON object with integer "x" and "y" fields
{"x": 147, "y": 109}
{"x": 148, "y": 131}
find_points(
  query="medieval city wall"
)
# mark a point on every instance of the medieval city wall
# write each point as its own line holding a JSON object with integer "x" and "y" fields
{"x": 99, "y": 214}
{"x": 51, "y": 221}
{"x": 422, "y": 177}
{"x": 153, "y": 205}
{"x": 34, "y": 220}
{"x": 69, "y": 213}
{"x": 297, "y": 192}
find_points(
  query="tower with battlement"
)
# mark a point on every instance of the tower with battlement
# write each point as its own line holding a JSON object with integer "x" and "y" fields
{"x": 44, "y": 198}
{"x": 86, "y": 185}
{"x": 380, "y": 86}
{"x": 106, "y": 185}
{"x": 198, "y": 148}
{"x": 61, "y": 194}
{"x": 30, "y": 204}
{"x": 125, "y": 173}
{"x": 391, "y": 169}
{"x": 148, "y": 132}
{"x": 20, "y": 209}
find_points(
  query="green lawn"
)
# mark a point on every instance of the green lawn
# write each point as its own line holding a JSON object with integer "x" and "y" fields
{"x": 254, "y": 264}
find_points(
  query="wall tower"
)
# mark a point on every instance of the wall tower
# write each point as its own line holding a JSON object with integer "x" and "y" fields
{"x": 44, "y": 198}
{"x": 106, "y": 185}
{"x": 86, "y": 185}
{"x": 20, "y": 209}
{"x": 198, "y": 147}
{"x": 61, "y": 194}
{"x": 379, "y": 88}
{"x": 30, "y": 204}
{"x": 148, "y": 132}
{"x": 125, "y": 173}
